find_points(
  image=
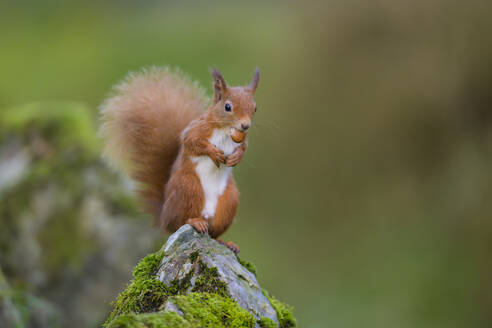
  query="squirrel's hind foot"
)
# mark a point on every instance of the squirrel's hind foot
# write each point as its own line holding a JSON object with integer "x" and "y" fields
{"x": 199, "y": 224}
{"x": 229, "y": 244}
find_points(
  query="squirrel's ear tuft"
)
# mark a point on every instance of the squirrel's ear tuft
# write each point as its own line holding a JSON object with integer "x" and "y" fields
{"x": 220, "y": 85}
{"x": 256, "y": 78}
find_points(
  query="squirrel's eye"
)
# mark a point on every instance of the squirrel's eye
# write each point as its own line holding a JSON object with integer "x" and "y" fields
{"x": 228, "y": 107}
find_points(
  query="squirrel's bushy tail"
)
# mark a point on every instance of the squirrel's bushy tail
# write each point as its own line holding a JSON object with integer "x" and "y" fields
{"x": 141, "y": 125}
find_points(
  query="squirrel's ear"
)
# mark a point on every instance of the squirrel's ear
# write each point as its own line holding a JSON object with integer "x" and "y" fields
{"x": 254, "y": 83}
{"x": 220, "y": 85}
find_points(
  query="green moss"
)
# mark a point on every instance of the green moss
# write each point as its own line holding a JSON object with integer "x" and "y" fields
{"x": 62, "y": 251}
{"x": 200, "y": 310}
{"x": 213, "y": 310}
{"x": 284, "y": 312}
{"x": 181, "y": 286}
{"x": 144, "y": 293}
{"x": 65, "y": 123}
{"x": 194, "y": 256}
{"x": 248, "y": 265}
{"x": 151, "y": 320}
{"x": 208, "y": 281}
{"x": 148, "y": 265}
{"x": 265, "y": 322}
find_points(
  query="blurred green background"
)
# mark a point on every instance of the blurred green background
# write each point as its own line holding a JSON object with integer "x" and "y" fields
{"x": 366, "y": 191}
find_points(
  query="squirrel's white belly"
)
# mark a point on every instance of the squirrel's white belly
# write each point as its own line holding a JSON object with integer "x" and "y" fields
{"x": 214, "y": 179}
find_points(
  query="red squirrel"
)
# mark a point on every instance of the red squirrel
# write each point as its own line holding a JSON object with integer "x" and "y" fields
{"x": 181, "y": 156}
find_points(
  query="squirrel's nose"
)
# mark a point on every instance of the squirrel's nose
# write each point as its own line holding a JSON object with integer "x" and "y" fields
{"x": 244, "y": 126}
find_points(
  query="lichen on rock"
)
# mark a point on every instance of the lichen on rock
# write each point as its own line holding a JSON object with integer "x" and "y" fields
{"x": 194, "y": 281}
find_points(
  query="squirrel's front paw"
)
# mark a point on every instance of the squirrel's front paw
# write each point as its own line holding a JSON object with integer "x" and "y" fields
{"x": 234, "y": 158}
{"x": 217, "y": 156}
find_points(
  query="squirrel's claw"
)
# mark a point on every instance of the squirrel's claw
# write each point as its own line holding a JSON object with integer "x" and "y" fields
{"x": 229, "y": 244}
{"x": 218, "y": 162}
{"x": 199, "y": 224}
{"x": 232, "y": 161}
{"x": 217, "y": 156}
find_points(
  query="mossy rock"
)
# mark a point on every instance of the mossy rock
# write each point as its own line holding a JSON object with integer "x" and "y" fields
{"x": 65, "y": 216}
{"x": 194, "y": 281}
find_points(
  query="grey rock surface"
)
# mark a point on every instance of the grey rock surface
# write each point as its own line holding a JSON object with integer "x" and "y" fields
{"x": 241, "y": 284}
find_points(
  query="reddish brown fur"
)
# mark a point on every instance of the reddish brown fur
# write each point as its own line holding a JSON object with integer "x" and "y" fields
{"x": 178, "y": 191}
{"x": 142, "y": 122}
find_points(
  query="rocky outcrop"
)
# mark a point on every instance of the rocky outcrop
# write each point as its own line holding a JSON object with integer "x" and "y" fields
{"x": 70, "y": 229}
{"x": 194, "y": 281}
